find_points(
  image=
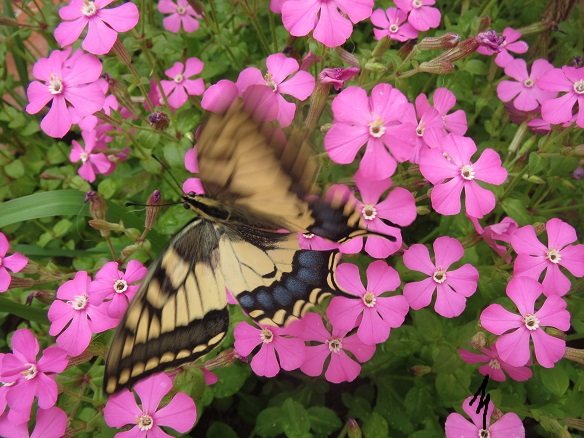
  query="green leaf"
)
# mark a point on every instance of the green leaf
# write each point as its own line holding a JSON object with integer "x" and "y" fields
{"x": 25, "y": 312}
{"x": 556, "y": 379}
{"x": 537, "y": 164}
{"x": 295, "y": 420}
{"x": 375, "y": 426}
{"x": 269, "y": 423}
{"x": 445, "y": 361}
{"x": 15, "y": 169}
{"x": 476, "y": 67}
{"x": 323, "y": 420}
{"x": 427, "y": 324}
{"x": 221, "y": 430}
{"x": 515, "y": 208}
{"x": 107, "y": 188}
{"x": 231, "y": 379}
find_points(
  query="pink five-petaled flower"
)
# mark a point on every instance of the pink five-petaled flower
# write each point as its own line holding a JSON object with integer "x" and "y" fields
{"x": 299, "y": 85}
{"x": 444, "y": 100}
{"x": 30, "y": 378}
{"x": 180, "y": 88}
{"x": 533, "y": 257}
{"x": 15, "y": 263}
{"x": 571, "y": 81}
{"x": 508, "y": 426}
{"x": 525, "y": 89}
{"x": 103, "y": 24}
{"x": 377, "y": 314}
{"x": 513, "y": 347}
{"x": 290, "y": 350}
{"x": 398, "y": 207}
{"x": 121, "y": 409}
{"x": 453, "y": 287}
{"x": 495, "y": 365}
{"x": 501, "y": 231}
{"x": 116, "y": 287}
{"x": 78, "y": 309}
{"x": 341, "y": 367}
{"x": 181, "y": 13}
{"x": 49, "y": 423}
{"x": 92, "y": 163}
{"x": 65, "y": 81}
{"x": 326, "y": 17}
{"x": 337, "y": 76}
{"x": 509, "y": 44}
{"x": 392, "y": 23}
{"x": 451, "y": 171}
{"x": 422, "y": 17}
{"x": 361, "y": 120}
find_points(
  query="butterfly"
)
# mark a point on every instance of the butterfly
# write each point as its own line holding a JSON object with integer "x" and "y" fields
{"x": 243, "y": 238}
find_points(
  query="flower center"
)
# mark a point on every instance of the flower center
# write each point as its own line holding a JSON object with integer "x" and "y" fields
{"x": 31, "y": 372}
{"x": 579, "y": 86}
{"x": 467, "y": 172}
{"x": 494, "y": 363}
{"x": 55, "y": 84}
{"x": 308, "y": 235}
{"x": 369, "y": 299}
{"x": 417, "y": 4}
{"x": 484, "y": 433}
{"x": 335, "y": 345}
{"x": 178, "y": 78}
{"x": 270, "y": 82}
{"x": 0, "y": 261}
{"x": 84, "y": 156}
{"x": 553, "y": 255}
{"x": 445, "y": 155}
{"x": 439, "y": 276}
{"x": 531, "y": 321}
{"x": 181, "y": 10}
{"x": 376, "y": 128}
{"x": 529, "y": 82}
{"x": 393, "y": 28}
{"x": 145, "y": 422}
{"x": 420, "y": 129}
{"x": 267, "y": 336}
{"x": 369, "y": 212}
{"x": 88, "y": 9}
{"x": 120, "y": 286}
{"x": 79, "y": 303}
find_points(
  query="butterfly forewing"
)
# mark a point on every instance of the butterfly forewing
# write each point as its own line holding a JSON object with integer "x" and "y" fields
{"x": 178, "y": 314}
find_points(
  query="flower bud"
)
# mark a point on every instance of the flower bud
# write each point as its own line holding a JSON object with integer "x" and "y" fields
{"x": 422, "y": 210}
{"x": 102, "y": 225}
{"x": 317, "y": 103}
{"x": 43, "y": 296}
{"x": 159, "y": 121}
{"x": 308, "y": 60}
{"x": 485, "y": 23}
{"x": 420, "y": 370}
{"x": 152, "y": 210}
{"x": 196, "y": 6}
{"x": 353, "y": 429}
{"x": 120, "y": 51}
{"x": 462, "y": 50}
{"x": 446, "y": 41}
{"x": 19, "y": 282}
{"x": 347, "y": 57}
{"x": 375, "y": 67}
{"x": 97, "y": 206}
{"x": 224, "y": 359}
{"x": 478, "y": 341}
{"x": 438, "y": 68}
{"x": 130, "y": 249}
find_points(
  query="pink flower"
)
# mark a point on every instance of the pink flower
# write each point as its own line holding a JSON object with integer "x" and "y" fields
{"x": 103, "y": 24}
{"x": 31, "y": 378}
{"x": 121, "y": 409}
{"x": 80, "y": 312}
{"x": 377, "y": 314}
{"x": 451, "y": 171}
{"x": 526, "y": 92}
{"x": 533, "y": 257}
{"x": 299, "y": 84}
{"x": 501, "y": 231}
{"x": 15, "y": 263}
{"x": 341, "y": 367}
{"x": 117, "y": 287}
{"x": 92, "y": 163}
{"x": 513, "y": 347}
{"x": 398, "y": 207}
{"x": 180, "y": 88}
{"x": 495, "y": 365}
{"x": 273, "y": 340}
{"x": 49, "y": 423}
{"x": 392, "y": 23}
{"x": 361, "y": 120}
{"x": 422, "y": 17}
{"x": 509, "y": 425}
{"x": 337, "y": 76}
{"x": 192, "y": 165}
{"x": 489, "y": 42}
{"x": 65, "y": 81}
{"x": 571, "y": 81}
{"x": 325, "y": 16}
{"x": 444, "y": 100}
{"x": 509, "y": 44}
{"x": 181, "y": 14}
{"x": 453, "y": 287}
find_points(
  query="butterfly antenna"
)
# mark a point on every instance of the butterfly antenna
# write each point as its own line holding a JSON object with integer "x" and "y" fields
{"x": 177, "y": 186}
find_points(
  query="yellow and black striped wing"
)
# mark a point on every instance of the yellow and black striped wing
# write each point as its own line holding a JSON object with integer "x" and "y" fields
{"x": 178, "y": 314}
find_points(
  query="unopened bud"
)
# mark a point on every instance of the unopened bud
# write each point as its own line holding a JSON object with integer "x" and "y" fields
{"x": 574, "y": 423}
{"x": 152, "y": 210}
{"x": 30, "y": 268}
{"x": 224, "y": 359}
{"x": 159, "y": 121}
{"x": 52, "y": 177}
{"x": 353, "y": 429}
{"x": 381, "y": 47}
{"x": 308, "y": 60}
{"x": 102, "y": 225}
{"x": 9, "y": 22}
{"x": 496, "y": 415}
{"x": 462, "y": 50}
{"x": 326, "y": 127}
{"x": 446, "y": 41}
{"x": 420, "y": 370}
{"x": 539, "y": 228}
{"x": 375, "y": 67}
{"x": 552, "y": 425}
{"x": 196, "y": 6}
{"x": 437, "y": 68}
{"x": 19, "y": 282}
{"x": 318, "y": 101}
{"x": 422, "y": 210}
{"x": 347, "y": 57}
{"x": 555, "y": 333}
{"x": 97, "y": 206}
{"x": 485, "y": 23}
{"x": 120, "y": 51}
{"x": 577, "y": 62}
{"x": 129, "y": 250}
{"x": 94, "y": 349}
{"x": 43, "y": 296}
{"x": 478, "y": 341}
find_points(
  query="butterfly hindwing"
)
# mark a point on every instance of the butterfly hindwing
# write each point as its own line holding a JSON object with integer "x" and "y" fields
{"x": 178, "y": 314}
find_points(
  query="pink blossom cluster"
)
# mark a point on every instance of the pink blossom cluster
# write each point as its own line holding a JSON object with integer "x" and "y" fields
{"x": 84, "y": 307}
{"x": 13, "y": 263}
{"x": 406, "y": 21}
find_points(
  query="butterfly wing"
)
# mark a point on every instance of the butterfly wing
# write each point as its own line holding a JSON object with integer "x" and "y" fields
{"x": 178, "y": 314}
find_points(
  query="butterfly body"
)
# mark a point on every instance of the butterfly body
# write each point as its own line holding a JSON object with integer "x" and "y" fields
{"x": 243, "y": 239}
